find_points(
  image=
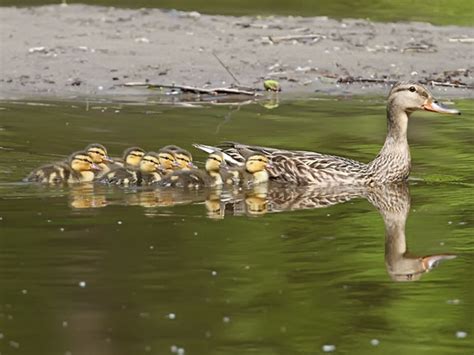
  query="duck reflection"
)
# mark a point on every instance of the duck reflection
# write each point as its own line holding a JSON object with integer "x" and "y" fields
{"x": 392, "y": 202}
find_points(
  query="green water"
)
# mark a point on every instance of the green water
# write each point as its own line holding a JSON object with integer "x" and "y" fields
{"x": 441, "y": 12}
{"x": 164, "y": 271}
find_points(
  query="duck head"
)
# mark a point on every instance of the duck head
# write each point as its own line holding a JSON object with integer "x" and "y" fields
{"x": 215, "y": 161}
{"x": 184, "y": 159}
{"x": 410, "y": 97}
{"x": 256, "y": 163}
{"x": 150, "y": 162}
{"x": 167, "y": 160}
{"x": 81, "y": 161}
{"x": 133, "y": 156}
{"x": 98, "y": 153}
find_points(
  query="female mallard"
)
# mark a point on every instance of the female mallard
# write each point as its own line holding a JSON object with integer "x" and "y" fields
{"x": 392, "y": 164}
{"x": 78, "y": 168}
{"x": 195, "y": 178}
{"x": 148, "y": 173}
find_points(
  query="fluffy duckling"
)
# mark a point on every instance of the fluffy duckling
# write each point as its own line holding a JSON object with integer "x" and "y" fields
{"x": 184, "y": 159}
{"x": 167, "y": 161}
{"x": 131, "y": 158}
{"x": 195, "y": 178}
{"x": 99, "y": 156}
{"x": 149, "y": 171}
{"x": 255, "y": 171}
{"x": 78, "y": 168}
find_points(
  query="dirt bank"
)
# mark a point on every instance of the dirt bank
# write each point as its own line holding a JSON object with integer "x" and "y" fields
{"x": 87, "y": 50}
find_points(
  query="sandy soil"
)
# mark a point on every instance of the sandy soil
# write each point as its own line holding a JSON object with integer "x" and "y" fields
{"x": 80, "y": 50}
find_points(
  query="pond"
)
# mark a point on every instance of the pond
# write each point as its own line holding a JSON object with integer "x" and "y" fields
{"x": 99, "y": 270}
{"x": 440, "y": 12}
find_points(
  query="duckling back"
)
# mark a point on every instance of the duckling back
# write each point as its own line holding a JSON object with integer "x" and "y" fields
{"x": 187, "y": 179}
{"x": 54, "y": 174}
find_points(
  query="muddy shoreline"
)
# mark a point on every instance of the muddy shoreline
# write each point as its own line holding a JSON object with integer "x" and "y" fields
{"x": 80, "y": 50}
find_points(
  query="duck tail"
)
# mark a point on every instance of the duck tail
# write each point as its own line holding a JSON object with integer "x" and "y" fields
{"x": 210, "y": 149}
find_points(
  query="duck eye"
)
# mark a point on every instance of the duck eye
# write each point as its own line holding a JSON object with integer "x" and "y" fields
{"x": 412, "y": 89}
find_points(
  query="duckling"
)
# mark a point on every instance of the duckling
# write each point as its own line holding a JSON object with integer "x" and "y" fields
{"x": 99, "y": 156}
{"x": 255, "y": 171}
{"x": 147, "y": 173}
{"x": 195, "y": 178}
{"x": 131, "y": 158}
{"x": 167, "y": 161}
{"x": 78, "y": 168}
{"x": 184, "y": 159}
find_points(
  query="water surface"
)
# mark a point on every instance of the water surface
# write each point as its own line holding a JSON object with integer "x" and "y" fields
{"x": 96, "y": 270}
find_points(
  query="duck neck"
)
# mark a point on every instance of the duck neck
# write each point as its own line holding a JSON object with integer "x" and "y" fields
{"x": 392, "y": 164}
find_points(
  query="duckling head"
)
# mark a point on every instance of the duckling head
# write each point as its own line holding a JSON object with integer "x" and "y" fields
{"x": 256, "y": 163}
{"x": 184, "y": 159}
{"x": 410, "y": 97}
{"x": 150, "y": 162}
{"x": 215, "y": 161}
{"x": 167, "y": 160}
{"x": 81, "y": 161}
{"x": 98, "y": 153}
{"x": 133, "y": 156}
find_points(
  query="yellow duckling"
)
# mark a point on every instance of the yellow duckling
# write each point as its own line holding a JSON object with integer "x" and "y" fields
{"x": 195, "y": 178}
{"x": 99, "y": 156}
{"x": 184, "y": 159}
{"x": 149, "y": 171}
{"x": 78, "y": 168}
{"x": 255, "y": 171}
{"x": 131, "y": 158}
{"x": 167, "y": 161}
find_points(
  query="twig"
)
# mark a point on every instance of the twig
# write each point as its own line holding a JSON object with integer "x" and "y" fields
{"x": 196, "y": 90}
{"x": 457, "y": 84}
{"x": 226, "y": 68}
{"x": 276, "y": 39}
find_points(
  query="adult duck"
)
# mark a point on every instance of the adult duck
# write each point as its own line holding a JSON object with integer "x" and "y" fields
{"x": 392, "y": 164}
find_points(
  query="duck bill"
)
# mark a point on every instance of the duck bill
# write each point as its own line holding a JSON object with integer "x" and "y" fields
{"x": 108, "y": 159}
{"x": 434, "y": 106}
{"x": 95, "y": 167}
{"x": 192, "y": 166}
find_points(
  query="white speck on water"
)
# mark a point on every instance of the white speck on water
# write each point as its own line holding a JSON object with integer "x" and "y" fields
{"x": 61, "y": 229}
{"x": 247, "y": 267}
{"x": 82, "y": 284}
{"x": 65, "y": 324}
{"x": 148, "y": 348}
{"x": 196, "y": 233}
{"x": 460, "y": 223}
{"x": 24, "y": 291}
{"x": 1, "y": 218}
{"x": 68, "y": 353}
{"x": 461, "y": 334}
{"x": 180, "y": 351}
{"x": 453, "y": 301}
{"x": 48, "y": 220}
{"x": 119, "y": 222}
{"x": 374, "y": 342}
{"x": 329, "y": 348}
{"x": 226, "y": 319}
{"x": 1, "y": 336}
{"x": 100, "y": 88}
{"x": 171, "y": 316}
{"x": 414, "y": 73}
{"x": 173, "y": 348}
{"x": 14, "y": 344}
{"x": 450, "y": 222}
{"x": 441, "y": 243}
{"x": 283, "y": 329}
{"x": 117, "y": 111}
{"x": 152, "y": 247}
{"x": 208, "y": 334}
{"x": 328, "y": 215}
{"x": 142, "y": 40}
{"x": 214, "y": 273}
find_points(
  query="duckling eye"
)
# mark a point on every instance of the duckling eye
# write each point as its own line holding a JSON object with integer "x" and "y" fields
{"x": 412, "y": 89}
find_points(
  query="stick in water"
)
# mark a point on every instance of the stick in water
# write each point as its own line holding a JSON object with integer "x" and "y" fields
{"x": 225, "y": 67}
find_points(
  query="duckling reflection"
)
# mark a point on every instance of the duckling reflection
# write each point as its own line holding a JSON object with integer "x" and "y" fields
{"x": 87, "y": 195}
